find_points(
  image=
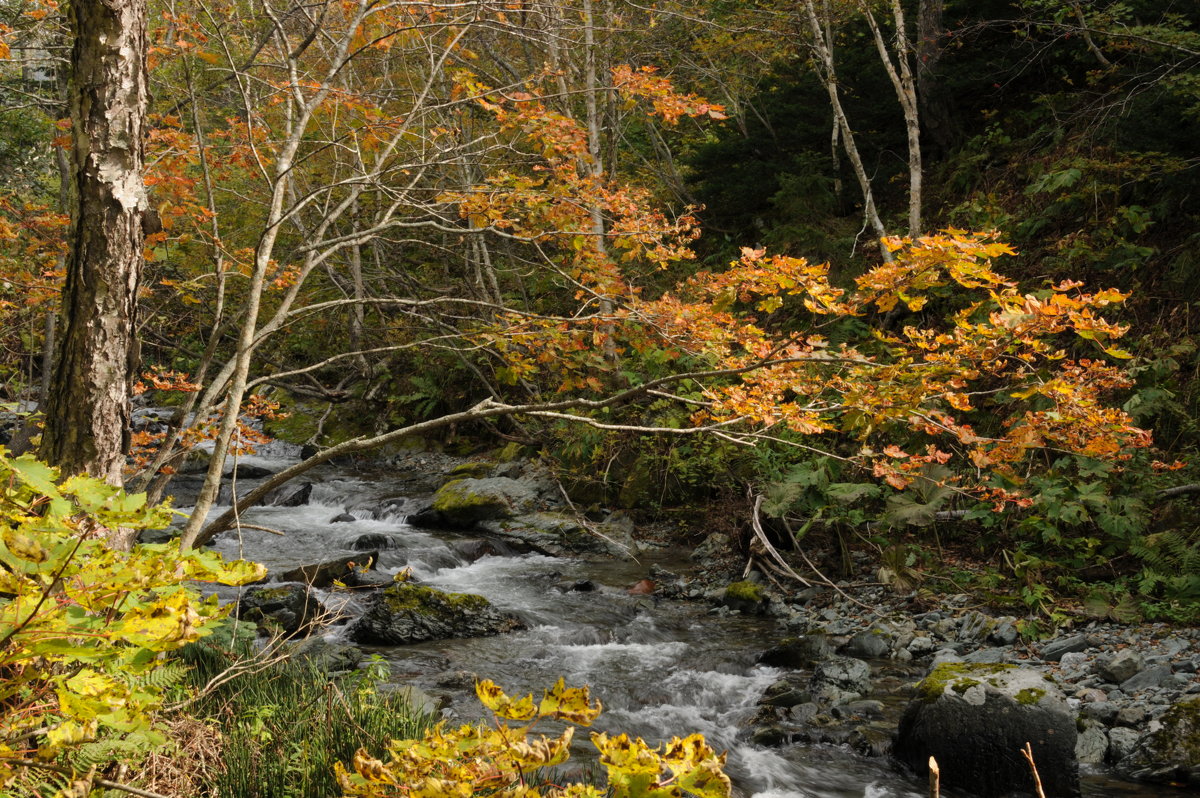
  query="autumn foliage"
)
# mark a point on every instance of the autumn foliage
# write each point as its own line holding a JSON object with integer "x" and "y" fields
{"x": 504, "y": 760}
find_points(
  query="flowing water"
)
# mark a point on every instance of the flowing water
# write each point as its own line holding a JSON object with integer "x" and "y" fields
{"x": 661, "y": 668}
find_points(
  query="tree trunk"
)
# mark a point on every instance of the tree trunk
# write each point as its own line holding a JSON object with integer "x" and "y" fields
{"x": 900, "y": 73}
{"x": 826, "y": 68}
{"x": 936, "y": 119}
{"x": 87, "y": 418}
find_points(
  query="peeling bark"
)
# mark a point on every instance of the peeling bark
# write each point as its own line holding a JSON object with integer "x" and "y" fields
{"x": 87, "y": 417}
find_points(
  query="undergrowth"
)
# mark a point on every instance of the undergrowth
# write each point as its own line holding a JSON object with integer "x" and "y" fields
{"x": 284, "y": 726}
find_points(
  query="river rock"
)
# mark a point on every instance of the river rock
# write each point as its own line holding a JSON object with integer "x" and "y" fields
{"x": 841, "y": 679}
{"x": 325, "y": 573}
{"x": 164, "y": 535}
{"x": 248, "y": 471}
{"x": 1171, "y": 754}
{"x": 406, "y": 613}
{"x": 343, "y": 518}
{"x": 975, "y": 718}
{"x": 975, "y": 626}
{"x": 289, "y": 495}
{"x": 1091, "y": 745}
{"x": 746, "y": 597}
{"x": 1053, "y": 651}
{"x": 289, "y": 608}
{"x": 1121, "y": 743}
{"x": 1004, "y": 633}
{"x": 797, "y": 652}
{"x": 872, "y": 644}
{"x": 327, "y": 657}
{"x": 464, "y": 502}
{"x": 1122, "y": 666}
{"x": 372, "y": 541}
{"x": 1145, "y": 679}
{"x": 715, "y": 545}
{"x": 616, "y": 534}
{"x": 555, "y": 534}
{"x": 786, "y": 693}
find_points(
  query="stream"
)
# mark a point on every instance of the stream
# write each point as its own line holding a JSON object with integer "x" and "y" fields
{"x": 660, "y": 668}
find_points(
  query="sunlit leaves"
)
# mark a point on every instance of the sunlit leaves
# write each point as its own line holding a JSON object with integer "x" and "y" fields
{"x": 82, "y": 624}
{"x": 495, "y": 760}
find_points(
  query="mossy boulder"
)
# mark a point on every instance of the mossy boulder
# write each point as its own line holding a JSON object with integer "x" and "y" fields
{"x": 474, "y": 469}
{"x": 407, "y": 613}
{"x": 1170, "y": 754}
{"x": 746, "y": 597}
{"x": 467, "y": 501}
{"x": 975, "y": 718}
{"x": 289, "y": 609}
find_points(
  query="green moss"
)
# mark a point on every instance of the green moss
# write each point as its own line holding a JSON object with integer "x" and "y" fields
{"x": 1030, "y": 696}
{"x": 744, "y": 591}
{"x": 416, "y": 598}
{"x": 475, "y": 470}
{"x": 957, "y": 676}
{"x": 963, "y": 685}
{"x": 510, "y": 452}
{"x": 273, "y": 593}
{"x": 458, "y": 502}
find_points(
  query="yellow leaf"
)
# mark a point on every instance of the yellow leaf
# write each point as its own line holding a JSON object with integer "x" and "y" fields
{"x": 572, "y": 704}
{"x": 492, "y": 697}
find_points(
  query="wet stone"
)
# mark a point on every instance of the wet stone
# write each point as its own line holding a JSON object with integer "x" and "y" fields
{"x": 372, "y": 541}
{"x": 1124, "y": 665}
{"x": 872, "y": 644}
{"x": 1053, "y": 651}
{"x": 1146, "y": 679}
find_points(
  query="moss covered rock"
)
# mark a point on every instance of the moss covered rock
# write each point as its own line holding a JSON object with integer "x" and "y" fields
{"x": 406, "y": 613}
{"x": 1171, "y": 754}
{"x": 746, "y": 597}
{"x": 289, "y": 609}
{"x": 975, "y": 718}
{"x": 465, "y": 502}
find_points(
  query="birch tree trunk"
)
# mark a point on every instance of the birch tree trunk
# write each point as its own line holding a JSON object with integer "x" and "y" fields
{"x": 900, "y": 73}
{"x": 87, "y": 415}
{"x": 822, "y": 44}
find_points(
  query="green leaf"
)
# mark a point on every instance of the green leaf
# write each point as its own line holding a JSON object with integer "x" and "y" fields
{"x": 851, "y": 492}
{"x": 36, "y": 474}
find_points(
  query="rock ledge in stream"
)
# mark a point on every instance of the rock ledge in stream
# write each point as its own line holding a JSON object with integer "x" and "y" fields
{"x": 975, "y": 718}
{"x": 407, "y": 613}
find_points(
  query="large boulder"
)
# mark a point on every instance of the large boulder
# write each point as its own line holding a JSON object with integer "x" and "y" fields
{"x": 288, "y": 495}
{"x": 975, "y": 719}
{"x": 406, "y": 613}
{"x": 290, "y": 609}
{"x": 555, "y": 534}
{"x": 1171, "y": 752}
{"x": 463, "y": 502}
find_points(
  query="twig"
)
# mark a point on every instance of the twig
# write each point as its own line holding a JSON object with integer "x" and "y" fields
{"x": 110, "y": 785}
{"x": 590, "y": 527}
{"x": 756, "y": 524}
{"x": 262, "y": 529}
{"x": 1027, "y": 752}
{"x": 935, "y": 779}
{"x": 824, "y": 580}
